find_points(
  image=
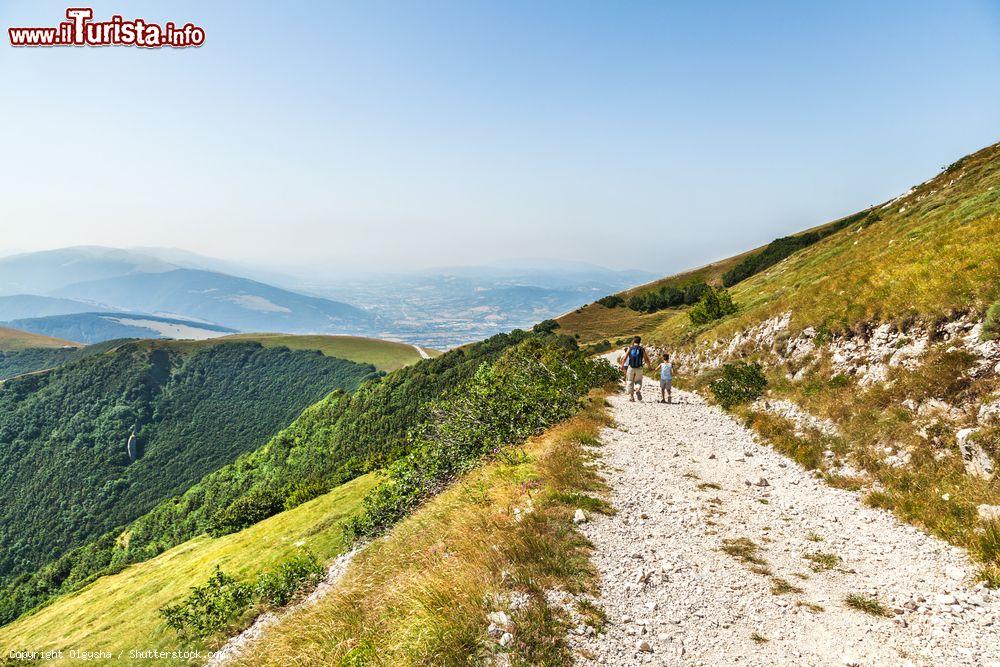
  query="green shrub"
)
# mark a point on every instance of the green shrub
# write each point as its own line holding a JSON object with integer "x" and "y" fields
{"x": 714, "y": 305}
{"x": 545, "y": 327}
{"x": 222, "y": 600}
{"x": 740, "y": 383}
{"x": 611, "y": 301}
{"x": 209, "y": 608}
{"x": 246, "y": 511}
{"x": 276, "y": 587}
{"x": 991, "y": 327}
{"x": 304, "y": 492}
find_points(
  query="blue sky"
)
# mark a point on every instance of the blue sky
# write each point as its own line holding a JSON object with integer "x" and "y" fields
{"x": 390, "y": 135}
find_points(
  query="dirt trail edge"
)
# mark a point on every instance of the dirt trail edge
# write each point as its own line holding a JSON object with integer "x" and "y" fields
{"x": 724, "y": 552}
{"x": 244, "y": 642}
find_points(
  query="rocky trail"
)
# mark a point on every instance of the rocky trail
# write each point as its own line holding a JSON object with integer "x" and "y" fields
{"x": 724, "y": 552}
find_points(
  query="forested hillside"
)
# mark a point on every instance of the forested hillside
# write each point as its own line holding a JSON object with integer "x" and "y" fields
{"x": 333, "y": 441}
{"x": 66, "y": 476}
{"x": 32, "y": 359}
{"x": 516, "y": 391}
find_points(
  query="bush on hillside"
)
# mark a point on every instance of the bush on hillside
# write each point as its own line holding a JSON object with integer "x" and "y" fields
{"x": 991, "y": 327}
{"x": 611, "y": 301}
{"x": 220, "y": 603}
{"x": 598, "y": 348}
{"x": 304, "y": 491}
{"x": 740, "y": 383}
{"x": 545, "y": 327}
{"x": 714, "y": 305}
{"x": 276, "y": 587}
{"x": 527, "y": 389}
{"x": 209, "y": 608}
{"x": 246, "y": 511}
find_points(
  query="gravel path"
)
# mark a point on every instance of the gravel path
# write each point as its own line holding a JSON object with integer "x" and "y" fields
{"x": 672, "y": 596}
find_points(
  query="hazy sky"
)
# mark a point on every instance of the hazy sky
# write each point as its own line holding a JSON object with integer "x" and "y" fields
{"x": 390, "y": 135}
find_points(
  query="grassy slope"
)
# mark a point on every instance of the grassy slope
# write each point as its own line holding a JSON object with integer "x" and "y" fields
{"x": 934, "y": 251}
{"x": 15, "y": 339}
{"x": 120, "y": 612}
{"x": 421, "y": 596}
{"x": 383, "y": 354}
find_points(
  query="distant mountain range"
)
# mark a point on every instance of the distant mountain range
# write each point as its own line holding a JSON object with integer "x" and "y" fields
{"x": 41, "y": 273}
{"x": 23, "y": 306}
{"x": 88, "y": 294}
{"x": 243, "y": 304}
{"x": 70, "y": 293}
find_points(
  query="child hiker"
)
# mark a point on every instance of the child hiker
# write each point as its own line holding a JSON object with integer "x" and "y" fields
{"x": 666, "y": 379}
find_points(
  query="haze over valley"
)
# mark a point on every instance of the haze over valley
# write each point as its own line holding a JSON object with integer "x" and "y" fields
{"x": 90, "y": 294}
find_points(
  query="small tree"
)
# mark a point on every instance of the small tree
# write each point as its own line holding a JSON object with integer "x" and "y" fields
{"x": 545, "y": 327}
{"x": 714, "y": 305}
{"x": 740, "y": 383}
{"x": 638, "y": 303}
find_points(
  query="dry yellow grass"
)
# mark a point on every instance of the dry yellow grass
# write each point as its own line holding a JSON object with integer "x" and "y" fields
{"x": 15, "y": 339}
{"x": 421, "y": 595}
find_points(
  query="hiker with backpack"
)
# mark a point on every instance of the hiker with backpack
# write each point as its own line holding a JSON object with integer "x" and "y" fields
{"x": 635, "y": 359}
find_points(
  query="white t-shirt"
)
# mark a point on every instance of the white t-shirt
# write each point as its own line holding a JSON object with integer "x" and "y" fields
{"x": 666, "y": 371}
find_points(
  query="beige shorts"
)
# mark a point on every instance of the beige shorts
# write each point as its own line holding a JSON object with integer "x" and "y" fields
{"x": 633, "y": 379}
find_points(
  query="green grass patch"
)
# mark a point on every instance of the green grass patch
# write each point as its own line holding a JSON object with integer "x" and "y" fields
{"x": 868, "y": 605}
{"x": 781, "y": 586}
{"x": 820, "y": 561}
{"x": 583, "y": 501}
{"x": 744, "y": 550}
{"x": 422, "y": 594}
{"x": 121, "y": 611}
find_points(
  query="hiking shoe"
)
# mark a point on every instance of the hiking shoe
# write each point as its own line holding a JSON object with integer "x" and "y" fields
{"x": 638, "y": 395}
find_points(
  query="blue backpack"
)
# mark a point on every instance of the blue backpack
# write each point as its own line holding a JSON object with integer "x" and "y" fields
{"x": 635, "y": 355}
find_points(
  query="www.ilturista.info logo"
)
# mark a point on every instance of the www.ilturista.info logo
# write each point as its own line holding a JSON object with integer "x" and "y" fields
{"x": 80, "y": 30}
